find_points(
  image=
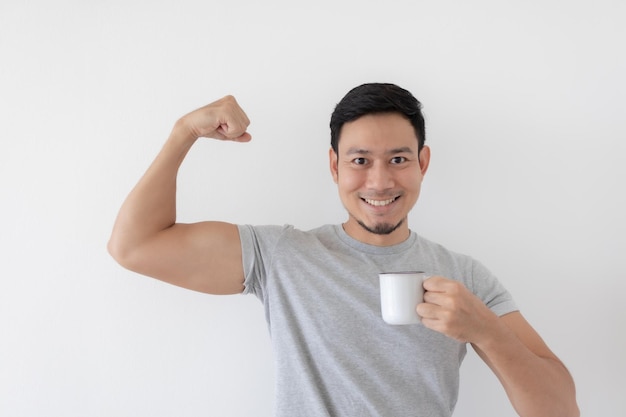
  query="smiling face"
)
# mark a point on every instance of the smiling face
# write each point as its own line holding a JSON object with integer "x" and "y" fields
{"x": 379, "y": 175}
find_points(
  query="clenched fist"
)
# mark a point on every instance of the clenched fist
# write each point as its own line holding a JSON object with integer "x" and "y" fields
{"x": 223, "y": 119}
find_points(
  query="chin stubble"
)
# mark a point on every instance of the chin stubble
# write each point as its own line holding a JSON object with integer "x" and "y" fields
{"x": 381, "y": 228}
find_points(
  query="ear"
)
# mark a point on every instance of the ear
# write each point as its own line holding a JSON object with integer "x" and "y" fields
{"x": 333, "y": 160}
{"x": 424, "y": 159}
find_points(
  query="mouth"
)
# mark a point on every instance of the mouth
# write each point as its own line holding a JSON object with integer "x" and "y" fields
{"x": 379, "y": 203}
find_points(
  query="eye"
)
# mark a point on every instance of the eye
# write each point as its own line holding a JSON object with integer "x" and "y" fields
{"x": 397, "y": 160}
{"x": 359, "y": 161}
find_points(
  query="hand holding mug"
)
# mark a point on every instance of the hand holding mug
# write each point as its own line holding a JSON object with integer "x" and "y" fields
{"x": 451, "y": 309}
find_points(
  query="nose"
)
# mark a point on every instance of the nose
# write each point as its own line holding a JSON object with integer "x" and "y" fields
{"x": 379, "y": 177}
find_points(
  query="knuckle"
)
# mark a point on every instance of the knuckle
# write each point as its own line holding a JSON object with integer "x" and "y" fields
{"x": 455, "y": 286}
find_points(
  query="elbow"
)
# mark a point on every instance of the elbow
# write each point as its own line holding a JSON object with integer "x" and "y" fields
{"x": 549, "y": 402}
{"x": 113, "y": 249}
{"x": 120, "y": 252}
{"x": 574, "y": 410}
{"x": 566, "y": 408}
{"x": 551, "y": 410}
{"x": 572, "y": 403}
{"x": 129, "y": 253}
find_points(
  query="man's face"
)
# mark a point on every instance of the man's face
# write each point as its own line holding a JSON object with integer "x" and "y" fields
{"x": 379, "y": 174}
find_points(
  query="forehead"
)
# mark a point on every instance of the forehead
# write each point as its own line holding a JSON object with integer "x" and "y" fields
{"x": 378, "y": 133}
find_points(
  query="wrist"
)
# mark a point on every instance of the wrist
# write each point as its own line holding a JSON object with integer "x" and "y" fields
{"x": 181, "y": 138}
{"x": 183, "y": 134}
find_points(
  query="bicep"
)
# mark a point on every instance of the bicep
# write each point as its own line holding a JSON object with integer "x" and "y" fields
{"x": 203, "y": 257}
{"x": 527, "y": 334}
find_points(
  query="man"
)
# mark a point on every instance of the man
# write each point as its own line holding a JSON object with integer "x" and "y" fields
{"x": 334, "y": 354}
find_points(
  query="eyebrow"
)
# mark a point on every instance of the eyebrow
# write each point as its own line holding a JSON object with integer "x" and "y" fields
{"x": 360, "y": 151}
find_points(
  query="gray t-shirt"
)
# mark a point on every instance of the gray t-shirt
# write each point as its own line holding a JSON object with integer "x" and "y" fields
{"x": 334, "y": 354}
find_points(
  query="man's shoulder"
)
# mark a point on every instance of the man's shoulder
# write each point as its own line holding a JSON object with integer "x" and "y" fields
{"x": 289, "y": 232}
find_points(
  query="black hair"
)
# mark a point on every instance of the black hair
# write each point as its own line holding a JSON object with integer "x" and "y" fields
{"x": 377, "y": 98}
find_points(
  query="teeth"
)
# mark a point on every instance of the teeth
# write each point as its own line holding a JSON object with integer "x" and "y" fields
{"x": 379, "y": 202}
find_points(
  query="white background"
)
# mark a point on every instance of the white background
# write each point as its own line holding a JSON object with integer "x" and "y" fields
{"x": 525, "y": 105}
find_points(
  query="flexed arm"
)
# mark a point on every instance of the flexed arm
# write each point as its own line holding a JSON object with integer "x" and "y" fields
{"x": 146, "y": 239}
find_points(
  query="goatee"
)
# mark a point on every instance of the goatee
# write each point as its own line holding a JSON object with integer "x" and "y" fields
{"x": 381, "y": 228}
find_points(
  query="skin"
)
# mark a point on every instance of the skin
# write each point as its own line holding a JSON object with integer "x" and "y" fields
{"x": 146, "y": 238}
{"x": 379, "y": 174}
{"x": 377, "y": 161}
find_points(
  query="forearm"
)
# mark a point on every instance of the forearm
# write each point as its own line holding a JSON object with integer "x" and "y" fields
{"x": 151, "y": 205}
{"x": 537, "y": 386}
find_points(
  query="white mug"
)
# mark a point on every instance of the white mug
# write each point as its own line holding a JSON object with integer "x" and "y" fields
{"x": 400, "y": 293}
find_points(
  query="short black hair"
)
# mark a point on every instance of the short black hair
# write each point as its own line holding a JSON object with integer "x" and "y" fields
{"x": 377, "y": 98}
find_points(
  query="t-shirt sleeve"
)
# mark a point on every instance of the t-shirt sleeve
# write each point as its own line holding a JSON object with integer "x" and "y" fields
{"x": 257, "y": 244}
{"x": 489, "y": 289}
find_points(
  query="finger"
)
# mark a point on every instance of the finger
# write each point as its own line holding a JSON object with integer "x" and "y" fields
{"x": 444, "y": 285}
{"x": 427, "y": 311}
{"x": 434, "y": 283}
{"x": 442, "y": 327}
{"x": 234, "y": 132}
{"x": 437, "y": 318}
{"x": 436, "y": 298}
{"x": 236, "y": 115}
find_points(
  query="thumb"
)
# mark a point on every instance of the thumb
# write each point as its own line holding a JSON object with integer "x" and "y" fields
{"x": 232, "y": 133}
{"x": 246, "y": 137}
